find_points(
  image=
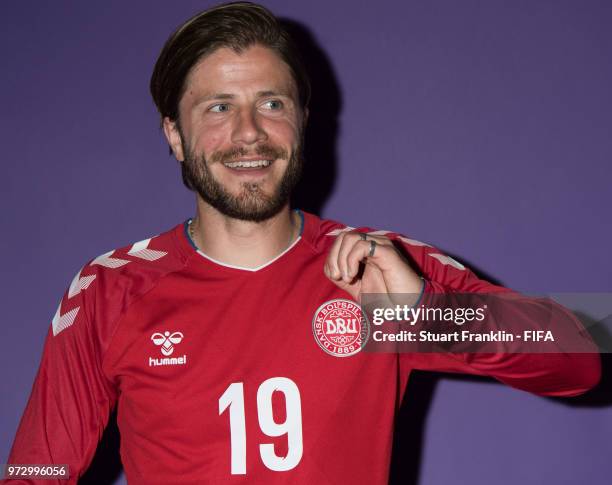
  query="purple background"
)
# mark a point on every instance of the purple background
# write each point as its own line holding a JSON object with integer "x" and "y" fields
{"x": 481, "y": 127}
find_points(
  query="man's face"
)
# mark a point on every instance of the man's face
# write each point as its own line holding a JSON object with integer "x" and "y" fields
{"x": 240, "y": 134}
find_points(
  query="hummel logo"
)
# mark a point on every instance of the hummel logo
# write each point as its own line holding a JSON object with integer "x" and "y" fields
{"x": 166, "y": 341}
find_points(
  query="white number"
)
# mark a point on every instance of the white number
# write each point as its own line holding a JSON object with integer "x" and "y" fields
{"x": 234, "y": 394}
{"x": 233, "y": 397}
{"x": 292, "y": 426}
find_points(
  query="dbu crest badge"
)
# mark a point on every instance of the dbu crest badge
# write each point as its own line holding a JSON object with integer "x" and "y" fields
{"x": 340, "y": 328}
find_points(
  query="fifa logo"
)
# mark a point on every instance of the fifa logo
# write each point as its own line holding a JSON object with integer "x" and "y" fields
{"x": 167, "y": 341}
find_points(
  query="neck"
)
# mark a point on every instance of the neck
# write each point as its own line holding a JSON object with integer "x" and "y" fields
{"x": 243, "y": 243}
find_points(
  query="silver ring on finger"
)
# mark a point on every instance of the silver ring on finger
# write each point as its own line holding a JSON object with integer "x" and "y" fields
{"x": 363, "y": 236}
{"x": 372, "y": 248}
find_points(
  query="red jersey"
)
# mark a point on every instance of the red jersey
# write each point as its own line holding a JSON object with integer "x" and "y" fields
{"x": 219, "y": 378}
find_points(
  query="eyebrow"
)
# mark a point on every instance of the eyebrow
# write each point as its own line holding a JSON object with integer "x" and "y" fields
{"x": 263, "y": 94}
{"x": 210, "y": 97}
{"x": 259, "y": 94}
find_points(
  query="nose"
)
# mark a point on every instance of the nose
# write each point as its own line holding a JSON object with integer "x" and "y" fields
{"x": 248, "y": 129}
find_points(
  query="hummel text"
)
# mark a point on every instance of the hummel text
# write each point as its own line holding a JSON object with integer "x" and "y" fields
{"x": 153, "y": 362}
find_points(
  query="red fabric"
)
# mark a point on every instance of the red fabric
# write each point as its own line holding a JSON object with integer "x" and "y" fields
{"x": 243, "y": 327}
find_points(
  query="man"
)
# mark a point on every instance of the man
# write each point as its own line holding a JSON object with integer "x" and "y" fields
{"x": 208, "y": 337}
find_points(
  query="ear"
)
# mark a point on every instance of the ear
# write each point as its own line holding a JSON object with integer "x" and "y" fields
{"x": 173, "y": 136}
{"x": 305, "y": 116}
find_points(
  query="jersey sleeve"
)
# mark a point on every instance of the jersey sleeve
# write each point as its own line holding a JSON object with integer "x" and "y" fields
{"x": 551, "y": 373}
{"x": 71, "y": 399}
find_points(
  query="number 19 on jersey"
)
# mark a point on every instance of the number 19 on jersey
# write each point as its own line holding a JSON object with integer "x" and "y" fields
{"x": 233, "y": 398}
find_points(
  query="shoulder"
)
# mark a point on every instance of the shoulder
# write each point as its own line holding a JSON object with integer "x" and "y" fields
{"x": 431, "y": 263}
{"x": 107, "y": 284}
{"x": 323, "y": 233}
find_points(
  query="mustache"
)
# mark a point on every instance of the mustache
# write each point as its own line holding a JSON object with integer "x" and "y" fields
{"x": 264, "y": 150}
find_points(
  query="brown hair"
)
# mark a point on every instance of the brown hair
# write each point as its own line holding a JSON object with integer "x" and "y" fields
{"x": 235, "y": 25}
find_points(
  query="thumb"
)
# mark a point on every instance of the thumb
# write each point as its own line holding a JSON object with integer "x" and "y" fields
{"x": 351, "y": 288}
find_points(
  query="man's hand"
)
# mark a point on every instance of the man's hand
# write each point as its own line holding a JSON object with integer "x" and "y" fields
{"x": 385, "y": 269}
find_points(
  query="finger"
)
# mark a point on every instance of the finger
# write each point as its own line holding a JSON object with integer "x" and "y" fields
{"x": 372, "y": 280}
{"x": 349, "y": 242}
{"x": 331, "y": 263}
{"x": 398, "y": 275}
{"x": 326, "y": 270}
{"x": 353, "y": 287}
{"x": 381, "y": 248}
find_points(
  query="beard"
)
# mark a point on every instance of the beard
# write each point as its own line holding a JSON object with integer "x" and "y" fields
{"x": 252, "y": 203}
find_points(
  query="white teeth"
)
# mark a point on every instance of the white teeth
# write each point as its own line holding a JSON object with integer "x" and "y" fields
{"x": 249, "y": 164}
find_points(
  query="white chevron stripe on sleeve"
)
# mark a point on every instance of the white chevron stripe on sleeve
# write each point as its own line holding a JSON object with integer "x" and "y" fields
{"x": 148, "y": 254}
{"x": 413, "y": 242}
{"x": 140, "y": 250}
{"x": 108, "y": 262}
{"x": 444, "y": 259}
{"x": 62, "y": 322}
{"x": 337, "y": 232}
{"x": 79, "y": 284}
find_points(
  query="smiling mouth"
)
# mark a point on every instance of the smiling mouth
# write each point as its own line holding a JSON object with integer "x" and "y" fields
{"x": 248, "y": 164}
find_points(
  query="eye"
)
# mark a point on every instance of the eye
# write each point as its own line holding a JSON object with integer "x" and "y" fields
{"x": 219, "y": 108}
{"x": 273, "y": 104}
